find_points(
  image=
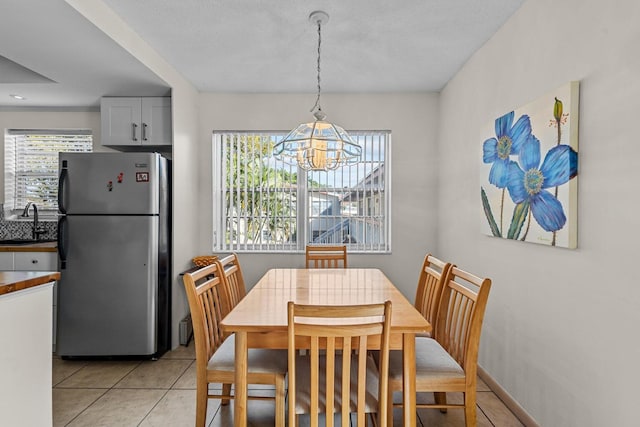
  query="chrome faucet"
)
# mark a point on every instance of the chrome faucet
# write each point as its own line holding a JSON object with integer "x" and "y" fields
{"x": 25, "y": 214}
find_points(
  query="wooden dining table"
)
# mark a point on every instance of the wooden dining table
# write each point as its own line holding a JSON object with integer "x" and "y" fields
{"x": 260, "y": 319}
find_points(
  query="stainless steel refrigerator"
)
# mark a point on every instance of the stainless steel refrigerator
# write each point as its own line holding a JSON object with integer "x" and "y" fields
{"x": 114, "y": 252}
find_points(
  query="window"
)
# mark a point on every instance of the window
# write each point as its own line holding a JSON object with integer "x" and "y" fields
{"x": 31, "y": 165}
{"x": 263, "y": 204}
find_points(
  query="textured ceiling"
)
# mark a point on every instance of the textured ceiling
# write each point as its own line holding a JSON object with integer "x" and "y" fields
{"x": 270, "y": 46}
{"x": 76, "y": 62}
{"x": 245, "y": 46}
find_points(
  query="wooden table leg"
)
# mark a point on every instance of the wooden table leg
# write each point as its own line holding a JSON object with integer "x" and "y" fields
{"x": 409, "y": 379}
{"x": 240, "y": 401}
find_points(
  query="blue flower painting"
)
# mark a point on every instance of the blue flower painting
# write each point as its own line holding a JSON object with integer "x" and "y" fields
{"x": 507, "y": 142}
{"x": 529, "y": 174}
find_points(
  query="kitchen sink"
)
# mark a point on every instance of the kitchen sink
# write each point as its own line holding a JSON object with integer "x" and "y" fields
{"x": 24, "y": 241}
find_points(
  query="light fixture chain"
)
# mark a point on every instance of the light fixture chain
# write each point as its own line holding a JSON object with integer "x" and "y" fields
{"x": 317, "y": 104}
{"x": 318, "y": 145}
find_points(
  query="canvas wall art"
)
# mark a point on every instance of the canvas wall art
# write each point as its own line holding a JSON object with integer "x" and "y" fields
{"x": 529, "y": 171}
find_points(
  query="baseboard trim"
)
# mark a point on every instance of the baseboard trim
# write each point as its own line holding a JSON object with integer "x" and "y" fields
{"x": 509, "y": 401}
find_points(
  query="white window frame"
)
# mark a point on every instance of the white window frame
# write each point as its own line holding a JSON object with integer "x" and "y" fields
{"x": 304, "y": 232}
{"x": 23, "y": 148}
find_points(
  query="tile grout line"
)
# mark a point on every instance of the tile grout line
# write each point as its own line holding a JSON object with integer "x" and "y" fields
{"x": 105, "y": 390}
{"x": 98, "y": 388}
{"x": 166, "y": 390}
{"x": 153, "y": 407}
{"x": 419, "y": 418}
{"x": 183, "y": 372}
{"x": 215, "y": 414}
{"x": 482, "y": 410}
{"x": 87, "y": 407}
{"x": 127, "y": 374}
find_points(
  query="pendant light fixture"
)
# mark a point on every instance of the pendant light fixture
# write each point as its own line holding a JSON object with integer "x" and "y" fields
{"x": 318, "y": 145}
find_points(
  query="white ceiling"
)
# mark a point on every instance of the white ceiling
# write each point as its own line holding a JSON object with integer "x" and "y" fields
{"x": 242, "y": 46}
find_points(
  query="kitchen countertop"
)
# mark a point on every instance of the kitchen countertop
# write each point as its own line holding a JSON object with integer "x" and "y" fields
{"x": 31, "y": 247}
{"x": 11, "y": 281}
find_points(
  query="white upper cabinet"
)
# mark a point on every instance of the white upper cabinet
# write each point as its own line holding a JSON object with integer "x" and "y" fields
{"x": 136, "y": 121}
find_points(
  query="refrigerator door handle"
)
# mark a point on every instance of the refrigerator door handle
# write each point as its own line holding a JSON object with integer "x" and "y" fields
{"x": 63, "y": 177}
{"x": 62, "y": 242}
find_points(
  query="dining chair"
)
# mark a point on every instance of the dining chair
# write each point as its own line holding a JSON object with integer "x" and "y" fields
{"x": 429, "y": 288}
{"x": 235, "y": 289}
{"x": 449, "y": 361}
{"x": 215, "y": 353}
{"x": 428, "y": 292}
{"x": 316, "y": 381}
{"x": 234, "y": 280}
{"x": 326, "y": 257}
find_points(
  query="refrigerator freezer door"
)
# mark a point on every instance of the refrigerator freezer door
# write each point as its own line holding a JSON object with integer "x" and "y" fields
{"x": 109, "y": 183}
{"x": 107, "y": 295}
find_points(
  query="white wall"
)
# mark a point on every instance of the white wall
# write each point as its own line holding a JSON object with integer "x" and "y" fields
{"x": 560, "y": 330}
{"x": 412, "y": 119}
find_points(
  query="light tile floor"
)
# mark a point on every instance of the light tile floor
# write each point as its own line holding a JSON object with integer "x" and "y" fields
{"x": 162, "y": 393}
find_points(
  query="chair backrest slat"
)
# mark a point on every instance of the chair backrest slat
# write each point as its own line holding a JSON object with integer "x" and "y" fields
{"x": 207, "y": 302}
{"x": 347, "y": 329}
{"x": 326, "y": 257}
{"x": 429, "y": 288}
{"x": 229, "y": 267}
{"x": 461, "y": 312}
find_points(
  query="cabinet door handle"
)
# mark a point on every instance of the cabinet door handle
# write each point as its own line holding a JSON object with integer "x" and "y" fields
{"x": 144, "y": 131}
{"x": 34, "y": 261}
{"x": 134, "y": 126}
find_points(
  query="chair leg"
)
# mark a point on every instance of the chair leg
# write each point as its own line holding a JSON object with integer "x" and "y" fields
{"x": 470, "y": 419}
{"x": 441, "y": 399}
{"x": 280, "y": 399}
{"x": 226, "y": 390}
{"x": 201, "y": 403}
{"x": 390, "y": 407}
{"x": 291, "y": 414}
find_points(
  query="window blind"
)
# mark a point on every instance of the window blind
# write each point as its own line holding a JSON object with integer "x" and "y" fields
{"x": 263, "y": 204}
{"x": 31, "y": 164}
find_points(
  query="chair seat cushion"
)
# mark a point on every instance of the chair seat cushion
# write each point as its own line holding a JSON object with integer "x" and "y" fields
{"x": 303, "y": 385}
{"x": 432, "y": 361}
{"x": 423, "y": 335}
{"x": 259, "y": 360}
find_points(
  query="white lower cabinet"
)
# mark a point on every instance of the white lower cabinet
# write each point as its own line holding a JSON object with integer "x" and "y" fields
{"x": 6, "y": 261}
{"x": 34, "y": 261}
{"x": 25, "y": 371}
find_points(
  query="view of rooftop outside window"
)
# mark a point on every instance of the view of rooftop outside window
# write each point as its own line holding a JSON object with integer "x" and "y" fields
{"x": 264, "y": 204}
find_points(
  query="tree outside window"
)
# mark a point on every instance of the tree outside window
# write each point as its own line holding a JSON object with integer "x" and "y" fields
{"x": 263, "y": 204}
